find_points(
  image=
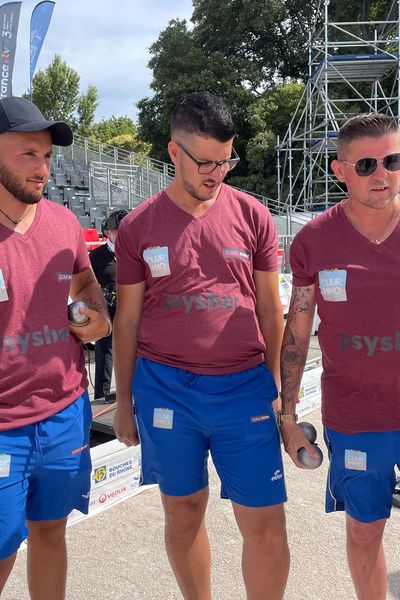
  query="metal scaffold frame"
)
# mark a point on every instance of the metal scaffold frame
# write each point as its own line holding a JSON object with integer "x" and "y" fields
{"x": 353, "y": 67}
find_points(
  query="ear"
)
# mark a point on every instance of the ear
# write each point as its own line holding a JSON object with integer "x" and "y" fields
{"x": 173, "y": 151}
{"x": 338, "y": 169}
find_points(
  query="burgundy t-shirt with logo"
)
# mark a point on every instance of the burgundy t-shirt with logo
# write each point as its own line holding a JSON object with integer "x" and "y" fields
{"x": 357, "y": 287}
{"x": 199, "y": 306}
{"x": 41, "y": 364}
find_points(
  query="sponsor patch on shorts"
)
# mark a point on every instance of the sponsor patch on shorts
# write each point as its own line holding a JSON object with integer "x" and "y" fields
{"x": 5, "y": 462}
{"x": 163, "y": 418}
{"x": 80, "y": 449}
{"x": 259, "y": 418}
{"x": 355, "y": 460}
{"x": 277, "y": 475}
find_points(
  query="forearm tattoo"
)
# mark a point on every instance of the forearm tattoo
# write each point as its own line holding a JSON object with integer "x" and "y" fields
{"x": 93, "y": 304}
{"x": 295, "y": 344}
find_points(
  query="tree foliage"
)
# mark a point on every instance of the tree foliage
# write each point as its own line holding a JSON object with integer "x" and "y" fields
{"x": 252, "y": 53}
{"x": 131, "y": 143}
{"x": 55, "y": 91}
{"x": 113, "y": 127}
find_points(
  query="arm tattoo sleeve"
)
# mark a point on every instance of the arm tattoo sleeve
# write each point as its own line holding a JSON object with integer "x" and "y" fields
{"x": 295, "y": 344}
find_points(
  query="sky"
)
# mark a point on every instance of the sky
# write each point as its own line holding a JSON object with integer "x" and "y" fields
{"x": 106, "y": 42}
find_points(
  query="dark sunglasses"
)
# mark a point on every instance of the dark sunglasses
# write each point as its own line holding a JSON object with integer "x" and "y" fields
{"x": 367, "y": 166}
{"x": 208, "y": 166}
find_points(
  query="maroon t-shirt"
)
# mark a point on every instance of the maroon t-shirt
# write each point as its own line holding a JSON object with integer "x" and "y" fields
{"x": 41, "y": 364}
{"x": 199, "y": 306}
{"x": 357, "y": 287}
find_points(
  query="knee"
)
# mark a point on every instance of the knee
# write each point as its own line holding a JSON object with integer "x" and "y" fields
{"x": 47, "y": 532}
{"x": 273, "y": 539}
{"x": 184, "y": 514}
{"x": 365, "y": 534}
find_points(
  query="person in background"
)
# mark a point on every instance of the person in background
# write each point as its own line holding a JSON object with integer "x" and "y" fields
{"x": 102, "y": 260}
{"x": 45, "y": 414}
{"x": 346, "y": 261}
{"x": 198, "y": 332}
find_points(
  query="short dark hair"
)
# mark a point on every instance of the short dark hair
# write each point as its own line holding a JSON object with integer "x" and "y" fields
{"x": 366, "y": 125}
{"x": 203, "y": 113}
{"x": 113, "y": 220}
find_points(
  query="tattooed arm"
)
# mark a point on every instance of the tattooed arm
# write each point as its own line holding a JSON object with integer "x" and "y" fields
{"x": 296, "y": 340}
{"x": 84, "y": 287}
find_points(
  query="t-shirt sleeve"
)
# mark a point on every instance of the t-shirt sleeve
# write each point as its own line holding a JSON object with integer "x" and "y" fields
{"x": 130, "y": 266}
{"x": 82, "y": 261}
{"x": 266, "y": 255}
{"x": 298, "y": 262}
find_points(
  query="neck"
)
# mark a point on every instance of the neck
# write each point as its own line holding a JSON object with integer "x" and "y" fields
{"x": 12, "y": 215}
{"x": 188, "y": 203}
{"x": 374, "y": 224}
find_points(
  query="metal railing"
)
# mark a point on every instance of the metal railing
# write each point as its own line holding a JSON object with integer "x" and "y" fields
{"x": 124, "y": 185}
{"x": 85, "y": 150}
{"x": 119, "y": 178}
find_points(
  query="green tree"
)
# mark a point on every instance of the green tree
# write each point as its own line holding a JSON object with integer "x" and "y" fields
{"x": 271, "y": 34}
{"x": 180, "y": 67}
{"x": 113, "y": 127}
{"x": 268, "y": 117}
{"x": 55, "y": 91}
{"x": 131, "y": 143}
{"x": 87, "y": 104}
{"x": 252, "y": 53}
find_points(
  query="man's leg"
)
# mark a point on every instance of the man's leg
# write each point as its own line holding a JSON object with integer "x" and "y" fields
{"x": 265, "y": 559}
{"x": 6, "y": 565}
{"x": 47, "y": 560}
{"x": 187, "y": 543}
{"x": 366, "y": 558}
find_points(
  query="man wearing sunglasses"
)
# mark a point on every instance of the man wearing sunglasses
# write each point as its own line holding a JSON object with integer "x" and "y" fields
{"x": 199, "y": 325}
{"x": 347, "y": 262}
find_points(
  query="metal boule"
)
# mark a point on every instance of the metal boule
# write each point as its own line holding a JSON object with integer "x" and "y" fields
{"x": 309, "y": 431}
{"x": 75, "y": 317}
{"x": 308, "y": 461}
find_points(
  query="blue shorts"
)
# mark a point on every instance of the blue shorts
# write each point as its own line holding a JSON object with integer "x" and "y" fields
{"x": 361, "y": 477}
{"x": 182, "y": 416}
{"x": 44, "y": 472}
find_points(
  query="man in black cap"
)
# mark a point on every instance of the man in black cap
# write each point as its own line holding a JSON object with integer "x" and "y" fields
{"x": 103, "y": 264}
{"x": 45, "y": 413}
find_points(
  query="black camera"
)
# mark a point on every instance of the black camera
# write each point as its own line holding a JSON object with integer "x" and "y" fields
{"x": 110, "y": 296}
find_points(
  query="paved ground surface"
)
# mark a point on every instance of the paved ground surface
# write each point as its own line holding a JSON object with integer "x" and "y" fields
{"x": 119, "y": 554}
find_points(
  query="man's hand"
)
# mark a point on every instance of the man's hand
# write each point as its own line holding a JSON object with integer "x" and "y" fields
{"x": 293, "y": 439}
{"x": 96, "y": 328}
{"x": 124, "y": 425}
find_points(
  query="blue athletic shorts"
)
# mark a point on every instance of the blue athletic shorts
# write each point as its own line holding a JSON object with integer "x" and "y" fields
{"x": 183, "y": 416}
{"x": 44, "y": 472}
{"x": 361, "y": 477}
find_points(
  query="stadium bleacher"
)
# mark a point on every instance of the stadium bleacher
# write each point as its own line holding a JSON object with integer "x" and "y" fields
{"x": 68, "y": 184}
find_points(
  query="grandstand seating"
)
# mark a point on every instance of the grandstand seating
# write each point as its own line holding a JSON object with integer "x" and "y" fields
{"x": 92, "y": 181}
{"x": 66, "y": 186}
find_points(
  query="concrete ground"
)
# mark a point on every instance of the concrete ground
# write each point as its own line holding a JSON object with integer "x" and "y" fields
{"x": 119, "y": 554}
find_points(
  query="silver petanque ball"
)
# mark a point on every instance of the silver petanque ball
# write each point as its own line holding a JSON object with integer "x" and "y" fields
{"x": 309, "y": 431}
{"x": 308, "y": 461}
{"x": 74, "y": 315}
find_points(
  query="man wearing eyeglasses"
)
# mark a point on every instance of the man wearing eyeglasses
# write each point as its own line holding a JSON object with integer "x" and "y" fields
{"x": 198, "y": 329}
{"x": 346, "y": 262}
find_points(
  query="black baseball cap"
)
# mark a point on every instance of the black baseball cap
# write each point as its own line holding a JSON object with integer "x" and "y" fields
{"x": 19, "y": 114}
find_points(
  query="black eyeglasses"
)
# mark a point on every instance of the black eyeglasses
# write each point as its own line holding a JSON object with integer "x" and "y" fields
{"x": 208, "y": 166}
{"x": 367, "y": 166}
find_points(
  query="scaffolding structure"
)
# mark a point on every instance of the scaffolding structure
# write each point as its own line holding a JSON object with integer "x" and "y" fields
{"x": 353, "y": 68}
